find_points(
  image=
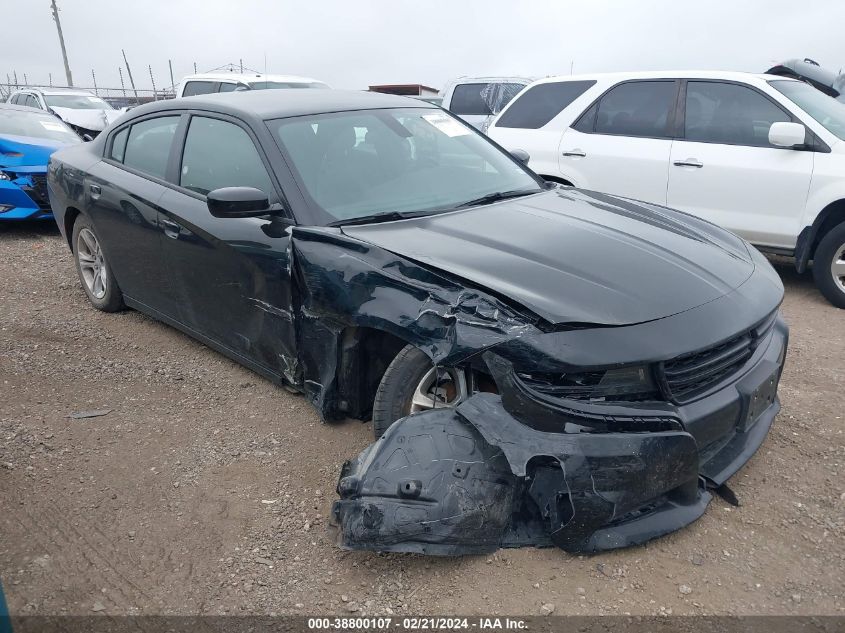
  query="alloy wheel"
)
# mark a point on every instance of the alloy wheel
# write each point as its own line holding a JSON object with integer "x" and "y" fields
{"x": 439, "y": 387}
{"x": 837, "y": 268}
{"x": 92, "y": 264}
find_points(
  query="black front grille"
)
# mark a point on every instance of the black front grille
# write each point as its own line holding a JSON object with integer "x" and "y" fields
{"x": 692, "y": 374}
{"x": 38, "y": 191}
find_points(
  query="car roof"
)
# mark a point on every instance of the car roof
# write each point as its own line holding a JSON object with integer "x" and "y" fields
{"x": 22, "y": 108}
{"x": 57, "y": 91}
{"x": 663, "y": 74}
{"x": 247, "y": 77}
{"x": 272, "y": 104}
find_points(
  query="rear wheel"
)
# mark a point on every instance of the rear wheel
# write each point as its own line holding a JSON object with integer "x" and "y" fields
{"x": 829, "y": 266}
{"x": 412, "y": 384}
{"x": 94, "y": 271}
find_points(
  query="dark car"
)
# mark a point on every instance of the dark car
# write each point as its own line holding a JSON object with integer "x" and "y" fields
{"x": 565, "y": 366}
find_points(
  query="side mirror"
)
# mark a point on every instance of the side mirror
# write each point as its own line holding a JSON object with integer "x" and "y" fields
{"x": 238, "y": 202}
{"x": 521, "y": 155}
{"x": 785, "y": 134}
{"x": 87, "y": 138}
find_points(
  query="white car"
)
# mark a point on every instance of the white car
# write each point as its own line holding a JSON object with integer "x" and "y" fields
{"x": 760, "y": 155}
{"x": 208, "y": 83}
{"x": 84, "y": 111}
{"x": 477, "y": 99}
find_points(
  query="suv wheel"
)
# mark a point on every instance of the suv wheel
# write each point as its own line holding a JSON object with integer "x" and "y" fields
{"x": 411, "y": 385}
{"x": 829, "y": 266}
{"x": 94, "y": 271}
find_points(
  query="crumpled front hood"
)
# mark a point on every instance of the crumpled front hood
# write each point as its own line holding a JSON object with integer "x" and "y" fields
{"x": 576, "y": 257}
{"x": 95, "y": 120}
{"x": 33, "y": 151}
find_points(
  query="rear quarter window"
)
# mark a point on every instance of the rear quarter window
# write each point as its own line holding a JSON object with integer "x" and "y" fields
{"x": 193, "y": 88}
{"x": 541, "y": 103}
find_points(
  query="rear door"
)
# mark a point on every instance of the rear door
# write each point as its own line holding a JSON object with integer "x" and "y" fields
{"x": 231, "y": 275}
{"x": 621, "y": 144}
{"x": 724, "y": 170}
{"x": 124, "y": 190}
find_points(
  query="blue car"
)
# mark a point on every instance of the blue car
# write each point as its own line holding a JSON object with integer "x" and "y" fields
{"x": 27, "y": 138}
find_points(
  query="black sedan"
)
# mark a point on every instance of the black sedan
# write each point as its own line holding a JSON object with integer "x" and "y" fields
{"x": 562, "y": 367}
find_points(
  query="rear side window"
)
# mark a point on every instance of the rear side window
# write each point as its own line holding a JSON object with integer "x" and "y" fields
{"x": 221, "y": 154}
{"x": 118, "y": 145}
{"x": 541, "y": 103}
{"x": 637, "y": 108}
{"x": 199, "y": 88}
{"x": 148, "y": 145}
{"x": 483, "y": 98}
{"x": 729, "y": 114}
{"x": 227, "y": 86}
{"x": 14, "y": 99}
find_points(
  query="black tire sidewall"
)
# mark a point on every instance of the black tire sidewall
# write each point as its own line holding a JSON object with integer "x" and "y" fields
{"x": 112, "y": 300}
{"x": 823, "y": 258}
{"x": 397, "y": 387}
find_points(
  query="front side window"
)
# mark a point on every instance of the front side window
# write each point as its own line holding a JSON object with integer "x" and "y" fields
{"x": 35, "y": 125}
{"x": 541, "y": 103}
{"x": 637, "y": 108}
{"x": 404, "y": 160}
{"x": 32, "y": 102}
{"x": 729, "y": 114}
{"x": 829, "y": 112}
{"x": 221, "y": 154}
{"x": 77, "y": 102}
{"x": 148, "y": 145}
{"x": 227, "y": 86}
{"x": 193, "y": 88}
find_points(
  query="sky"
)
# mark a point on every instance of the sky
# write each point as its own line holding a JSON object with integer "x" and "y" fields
{"x": 356, "y": 43}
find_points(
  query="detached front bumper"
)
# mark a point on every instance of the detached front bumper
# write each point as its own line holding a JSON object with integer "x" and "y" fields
{"x": 494, "y": 472}
{"x": 24, "y": 196}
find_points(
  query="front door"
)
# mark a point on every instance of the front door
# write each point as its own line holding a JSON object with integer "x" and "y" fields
{"x": 724, "y": 170}
{"x": 231, "y": 274}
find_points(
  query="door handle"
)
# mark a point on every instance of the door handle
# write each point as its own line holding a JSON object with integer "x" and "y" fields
{"x": 171, "y": 229}
{"x": 95, "y": 191}
{"x": 689, "y": 162}
{"x": 575, "y": 152}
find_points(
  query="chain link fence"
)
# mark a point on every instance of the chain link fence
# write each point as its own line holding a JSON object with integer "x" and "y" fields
{"x": 117, "y": 97}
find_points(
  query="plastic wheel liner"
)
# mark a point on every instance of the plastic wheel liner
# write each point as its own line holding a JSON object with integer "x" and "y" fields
{"x": 475, "y": 478}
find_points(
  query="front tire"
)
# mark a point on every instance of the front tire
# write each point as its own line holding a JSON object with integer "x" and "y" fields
{"x": 93, "y": 269}
{"x": 829, "y": 266}
{"x": 412, "y": 384}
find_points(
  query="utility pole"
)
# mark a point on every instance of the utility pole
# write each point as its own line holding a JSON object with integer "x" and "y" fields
{"x": 129, "y": 70}
{"x": 55, "y": 10}
{"x": 153, "y": 82}
{"x": 94, "y": 77}
{"x": 172, "y": 83}
{"x": 122, "y": 87}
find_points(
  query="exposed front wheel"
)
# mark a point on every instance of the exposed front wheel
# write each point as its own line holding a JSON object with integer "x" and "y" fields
{"x": 94, "y": 271}
{"x": 411, "y": 384}
{"x": 829, "y": 266}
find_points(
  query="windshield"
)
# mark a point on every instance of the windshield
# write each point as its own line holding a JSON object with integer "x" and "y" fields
{"x": 826, "y": 110}
{"x": 273, "y": 85}
{"x": 77, "y": 102}
{"x": 35, "y": 125}
{"x": 408, "y": 160}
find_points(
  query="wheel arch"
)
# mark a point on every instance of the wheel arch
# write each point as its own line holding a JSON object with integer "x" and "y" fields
{"x": 71, "y": 214}
{"x": 364, "y": 354}
{"x": 805, "y": 249}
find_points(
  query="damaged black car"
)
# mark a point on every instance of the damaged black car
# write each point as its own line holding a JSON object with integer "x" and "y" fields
{"x": 541, "y": 365}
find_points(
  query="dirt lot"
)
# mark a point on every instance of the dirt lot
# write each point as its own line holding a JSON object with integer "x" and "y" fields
{"x": 207, "y": 490}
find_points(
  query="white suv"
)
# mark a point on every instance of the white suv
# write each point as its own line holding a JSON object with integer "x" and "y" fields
{"x": 760, "y": 155}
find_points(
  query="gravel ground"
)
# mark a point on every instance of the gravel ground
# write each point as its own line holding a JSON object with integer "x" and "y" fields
{"x": 206, "y": 489}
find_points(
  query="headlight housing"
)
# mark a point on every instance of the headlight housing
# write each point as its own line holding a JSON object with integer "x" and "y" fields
{"x": 634, "y": 383}
{"x": 4, "y": 175}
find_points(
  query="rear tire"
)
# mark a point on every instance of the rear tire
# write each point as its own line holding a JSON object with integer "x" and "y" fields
{"x": 829, "y": 266}
{"x": 93, "y": 269}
